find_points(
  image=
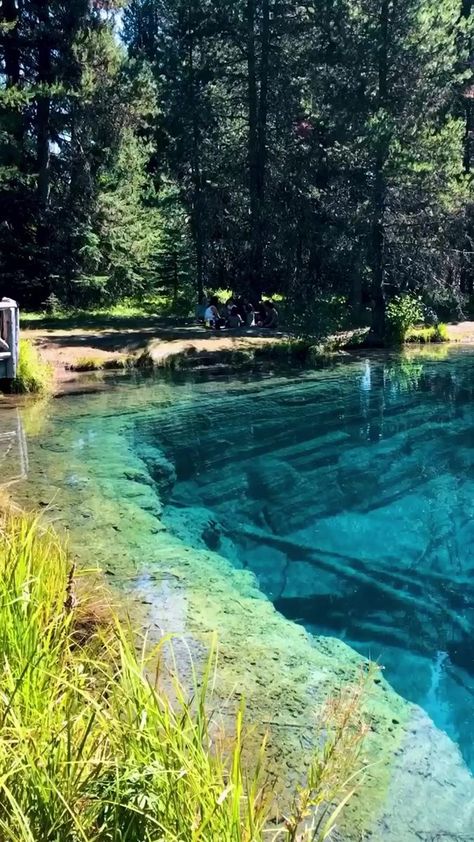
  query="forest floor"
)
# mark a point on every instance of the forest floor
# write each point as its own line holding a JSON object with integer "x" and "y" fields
{"x": 68, "y": 345}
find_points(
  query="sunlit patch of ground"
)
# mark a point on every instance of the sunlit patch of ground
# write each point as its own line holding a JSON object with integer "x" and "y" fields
{"x": 64, "y": 346}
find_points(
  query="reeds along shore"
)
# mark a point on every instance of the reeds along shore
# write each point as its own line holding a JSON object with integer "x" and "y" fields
{"x": 93, "y": 750}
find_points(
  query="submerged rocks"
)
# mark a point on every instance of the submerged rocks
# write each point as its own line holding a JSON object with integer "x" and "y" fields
{"x": 271, "y": 479}
{"x": 198, "y": 528}
{"x": 161, "y": 471}
{"x": 411, "y": 764}
{"x": 431, "y": 793}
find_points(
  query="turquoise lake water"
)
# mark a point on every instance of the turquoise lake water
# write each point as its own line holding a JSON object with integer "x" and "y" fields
{"x": 349, "y": 492}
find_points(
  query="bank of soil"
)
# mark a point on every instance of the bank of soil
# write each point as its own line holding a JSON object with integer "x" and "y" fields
{"x": 64, "y": 348}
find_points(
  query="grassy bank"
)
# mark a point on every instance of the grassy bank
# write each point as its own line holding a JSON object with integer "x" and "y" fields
{"x": 281, "y": 351}
{"x": 33, "y": 376}
{"x": 99, "y": 744}
{"x": 131, "y": 313}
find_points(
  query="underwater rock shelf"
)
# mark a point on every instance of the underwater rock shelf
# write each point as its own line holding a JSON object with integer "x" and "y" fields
{"x": 343, "y": 499}
{"x": 355, "y": 514}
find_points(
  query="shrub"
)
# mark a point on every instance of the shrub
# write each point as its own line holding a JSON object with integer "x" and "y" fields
{"x": 402, "y": 313}
{"x": 92, "y": 747}
{"x": 441, "y": 333}
{"x": 33, "y": 376}
{"x": 52, "y": 305}
{"x": 425, "y": 335}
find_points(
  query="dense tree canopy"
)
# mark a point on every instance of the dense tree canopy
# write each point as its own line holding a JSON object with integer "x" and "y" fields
{"x": 261, "y": 145}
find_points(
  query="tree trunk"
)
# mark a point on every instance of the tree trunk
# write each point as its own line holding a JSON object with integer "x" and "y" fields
{"x": 257, "y": 93}
{"x": 467, "y": 265}
{"x": 466, "y": 9}
{"x": 43, "y": 115}
{"x": 356, "y": 293}
{"x": 380, "y": 187}
{"x": 253, "y": 147}
{"x": 467, "y": 135}
{"x": 11, "y": 44}
{"x": 196, "y": 169}
{"x": 262, "y": 137}
{"x": 12, "y": 118}
{"x": 43, "y": 105}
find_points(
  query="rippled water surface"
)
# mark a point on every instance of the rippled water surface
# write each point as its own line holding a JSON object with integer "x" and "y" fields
{"x": 349, "y": 493}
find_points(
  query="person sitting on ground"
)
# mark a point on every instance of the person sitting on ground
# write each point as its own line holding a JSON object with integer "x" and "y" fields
{"x": 241, "y": 303}
{"x": 260, "y": 313}
{"x": 271, "y": 321}
{"x": 226, "y": 310}
{"x": 235, "y": 319}
{"x": 249, "y": 315}
{"x": 212, "y": 316}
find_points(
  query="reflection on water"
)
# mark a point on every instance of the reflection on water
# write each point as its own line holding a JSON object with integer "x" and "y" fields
{"x": 13, "y": 449}
{"x": 348, "y": 492}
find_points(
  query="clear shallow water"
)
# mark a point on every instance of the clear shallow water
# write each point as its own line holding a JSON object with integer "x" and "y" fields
{"x": 348, "y": 492}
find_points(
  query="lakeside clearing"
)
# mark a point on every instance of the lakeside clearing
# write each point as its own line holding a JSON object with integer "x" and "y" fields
{"x": 101, "y": 342}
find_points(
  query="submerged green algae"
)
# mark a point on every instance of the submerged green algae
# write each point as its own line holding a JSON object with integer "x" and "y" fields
{"x": 86, "y": 466}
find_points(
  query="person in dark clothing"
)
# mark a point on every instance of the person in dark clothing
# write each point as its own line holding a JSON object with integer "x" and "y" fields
{"x": 249, "y": 315}
{"x": 235, "y": 320}
{"x": 260, "y": 314}
{"x": 271, "y": 320}
{"x": 241, "y": 305}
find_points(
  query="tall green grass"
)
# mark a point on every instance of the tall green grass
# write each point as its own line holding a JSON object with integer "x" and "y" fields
{"x": 33, "y": 375}
{"x": 98, "y": 744}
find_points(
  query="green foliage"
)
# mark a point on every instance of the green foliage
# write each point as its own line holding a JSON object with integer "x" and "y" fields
{"x": 181, "y": 156}
{"x": 85, "y": 221}
{"x": 52, "y": 305}
{"x": 441, "y": 333}
{"x": 128, "y": 312}
{"x": 403, "y": 312}
{"x": 311, "y": 317}
{"x": 425, "y": 335}
{"x": 33, "y": 375}
{"x": 92, "y": 745}
{"x": 287, "y": 350}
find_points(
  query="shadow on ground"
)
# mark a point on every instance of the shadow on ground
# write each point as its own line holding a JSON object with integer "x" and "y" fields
{"x": 130, "y": 340}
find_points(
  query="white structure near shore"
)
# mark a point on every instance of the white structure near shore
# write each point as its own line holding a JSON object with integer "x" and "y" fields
{"x": 9, "y": 338}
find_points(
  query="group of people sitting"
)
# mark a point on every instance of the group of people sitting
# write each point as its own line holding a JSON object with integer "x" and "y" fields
{"x": 237, "y": 313}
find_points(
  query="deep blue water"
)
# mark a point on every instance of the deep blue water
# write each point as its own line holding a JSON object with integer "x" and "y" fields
{"x": 350, "y": 494}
